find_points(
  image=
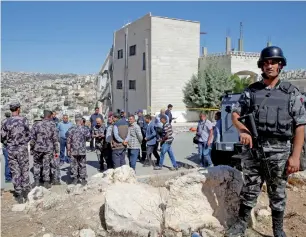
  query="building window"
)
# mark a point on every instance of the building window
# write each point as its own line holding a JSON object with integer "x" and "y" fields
{"x": 119, "y": 84}
{"x": 132, "y": 84}
{"x": 144, "y": 61}
{"x": 132, "y": 50}
{"x": 120, "y": 53}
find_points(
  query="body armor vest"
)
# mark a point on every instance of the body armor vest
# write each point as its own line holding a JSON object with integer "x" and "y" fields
{"x": 272, "y": 111}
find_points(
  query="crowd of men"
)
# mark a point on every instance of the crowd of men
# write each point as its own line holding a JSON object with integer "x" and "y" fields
{"x": 53, "y": 142}
{"x": 269, "y": 155}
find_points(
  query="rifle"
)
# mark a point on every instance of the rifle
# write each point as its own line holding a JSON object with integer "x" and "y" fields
{"x": 258, "y": 149}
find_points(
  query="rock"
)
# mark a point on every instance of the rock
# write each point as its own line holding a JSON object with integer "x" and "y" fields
{"x": 289, "y": 186}
{"x": 210, "y": 199}
{"x": 101, "y": 232}
{"x": 76, "y": 189}
{"x": 100, "y": 181}
{"x": 48, "y": 235}
{"x": 295, "y": 189}
{"x": 264, "y": 187}
{"x": 171, "y": 233}
{"x": 253, "y": 221}
{"x": 87, "y": 233}
{"x": 299, "y": 175}
{"x": 40, "y": 197}
{"x": 19, "y": 207}
{"x": 194, "y": 201}
{"x": 124, "y": 174}
{"x": 133, "y": 208}
{"x": 263, "y": 213}
{"x": 209, "y": 233}
{"x": 75, "y": 233}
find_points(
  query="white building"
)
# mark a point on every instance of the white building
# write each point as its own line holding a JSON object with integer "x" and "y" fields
{"x": 233, "y": 61}
{"x": 152, "y": 59}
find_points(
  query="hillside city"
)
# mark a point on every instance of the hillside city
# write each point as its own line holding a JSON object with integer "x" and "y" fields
{"x": 65, "y": 93}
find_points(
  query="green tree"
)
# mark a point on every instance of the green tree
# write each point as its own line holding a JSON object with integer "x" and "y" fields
{"x": 240, "y": 83}
{"x": 205, "y": 89}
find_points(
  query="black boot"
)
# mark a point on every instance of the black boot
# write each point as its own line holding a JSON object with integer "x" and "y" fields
{"x": 19, "y": 198}
{"x": 277, "y": 222}
{"x": 56, "y": 182}
{"x": 25, "y": 195}
{"x": 83, "y": 182}
{"x": 47, "y": 184}
{"x": 36, "y": 183}
{"x": 239, "y": 227}
{"x": 75, "y": 181}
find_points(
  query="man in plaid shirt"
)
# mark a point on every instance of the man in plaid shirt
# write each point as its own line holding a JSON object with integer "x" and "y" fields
{"x": 166, "y": 142}
{"x": 135, "y": 140}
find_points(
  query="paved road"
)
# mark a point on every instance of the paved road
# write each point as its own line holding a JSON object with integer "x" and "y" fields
{"x": 184, "y": 151}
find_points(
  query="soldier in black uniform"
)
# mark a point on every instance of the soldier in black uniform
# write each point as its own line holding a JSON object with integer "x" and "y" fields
{"x": 279, "y": 117}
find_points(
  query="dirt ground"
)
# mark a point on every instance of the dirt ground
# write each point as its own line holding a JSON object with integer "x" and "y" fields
{"x": 64, "y": 221}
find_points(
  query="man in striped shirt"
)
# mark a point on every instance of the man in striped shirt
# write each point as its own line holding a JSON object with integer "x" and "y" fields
{"x": 166, "y": 142}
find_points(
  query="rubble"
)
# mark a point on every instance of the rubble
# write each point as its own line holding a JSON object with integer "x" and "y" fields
{"x": 114, "y": 203}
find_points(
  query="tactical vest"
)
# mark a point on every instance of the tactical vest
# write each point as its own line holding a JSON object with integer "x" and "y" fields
{"x": 272, "y": 111}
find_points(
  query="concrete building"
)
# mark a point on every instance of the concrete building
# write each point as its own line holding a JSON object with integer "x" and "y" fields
{"x": 151, "y": 60}
{"x": 234, "y": 62}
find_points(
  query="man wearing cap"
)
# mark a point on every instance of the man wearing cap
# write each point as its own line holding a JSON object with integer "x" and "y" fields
{"x": 168, "y": 112}
{"x": 16, "y": 133}
{"x": 166, "y": 142}
{"x": 99, "y": 134}
{"x": 93, "y": 123}
{"x": 76, "y": 148}
{"x": 44, "y": 144}
{"x": 143, "y": 126}
{"x": 107, "y": 143}
{"x": 119, "y": 140}
{"x": 7, "y": 172}
{"x": 159, "y": 124}
{"x": 151, "y": 141}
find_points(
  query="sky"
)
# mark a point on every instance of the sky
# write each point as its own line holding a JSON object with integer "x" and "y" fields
{"x": 75, "y": 37}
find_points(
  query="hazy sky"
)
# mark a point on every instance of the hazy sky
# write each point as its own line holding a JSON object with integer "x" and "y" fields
{"x": 60, "y": 37}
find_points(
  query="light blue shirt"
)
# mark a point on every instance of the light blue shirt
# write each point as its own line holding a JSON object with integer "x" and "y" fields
{"x": 151, "y": 134}
{"x": 63, "y": 128}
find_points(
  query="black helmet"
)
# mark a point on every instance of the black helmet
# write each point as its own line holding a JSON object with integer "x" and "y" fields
{"x": 271, "y": 52}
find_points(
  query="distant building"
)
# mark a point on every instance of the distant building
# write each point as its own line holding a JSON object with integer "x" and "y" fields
{"x": 234, "y": 62}
{"x": 152, "y": 59}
